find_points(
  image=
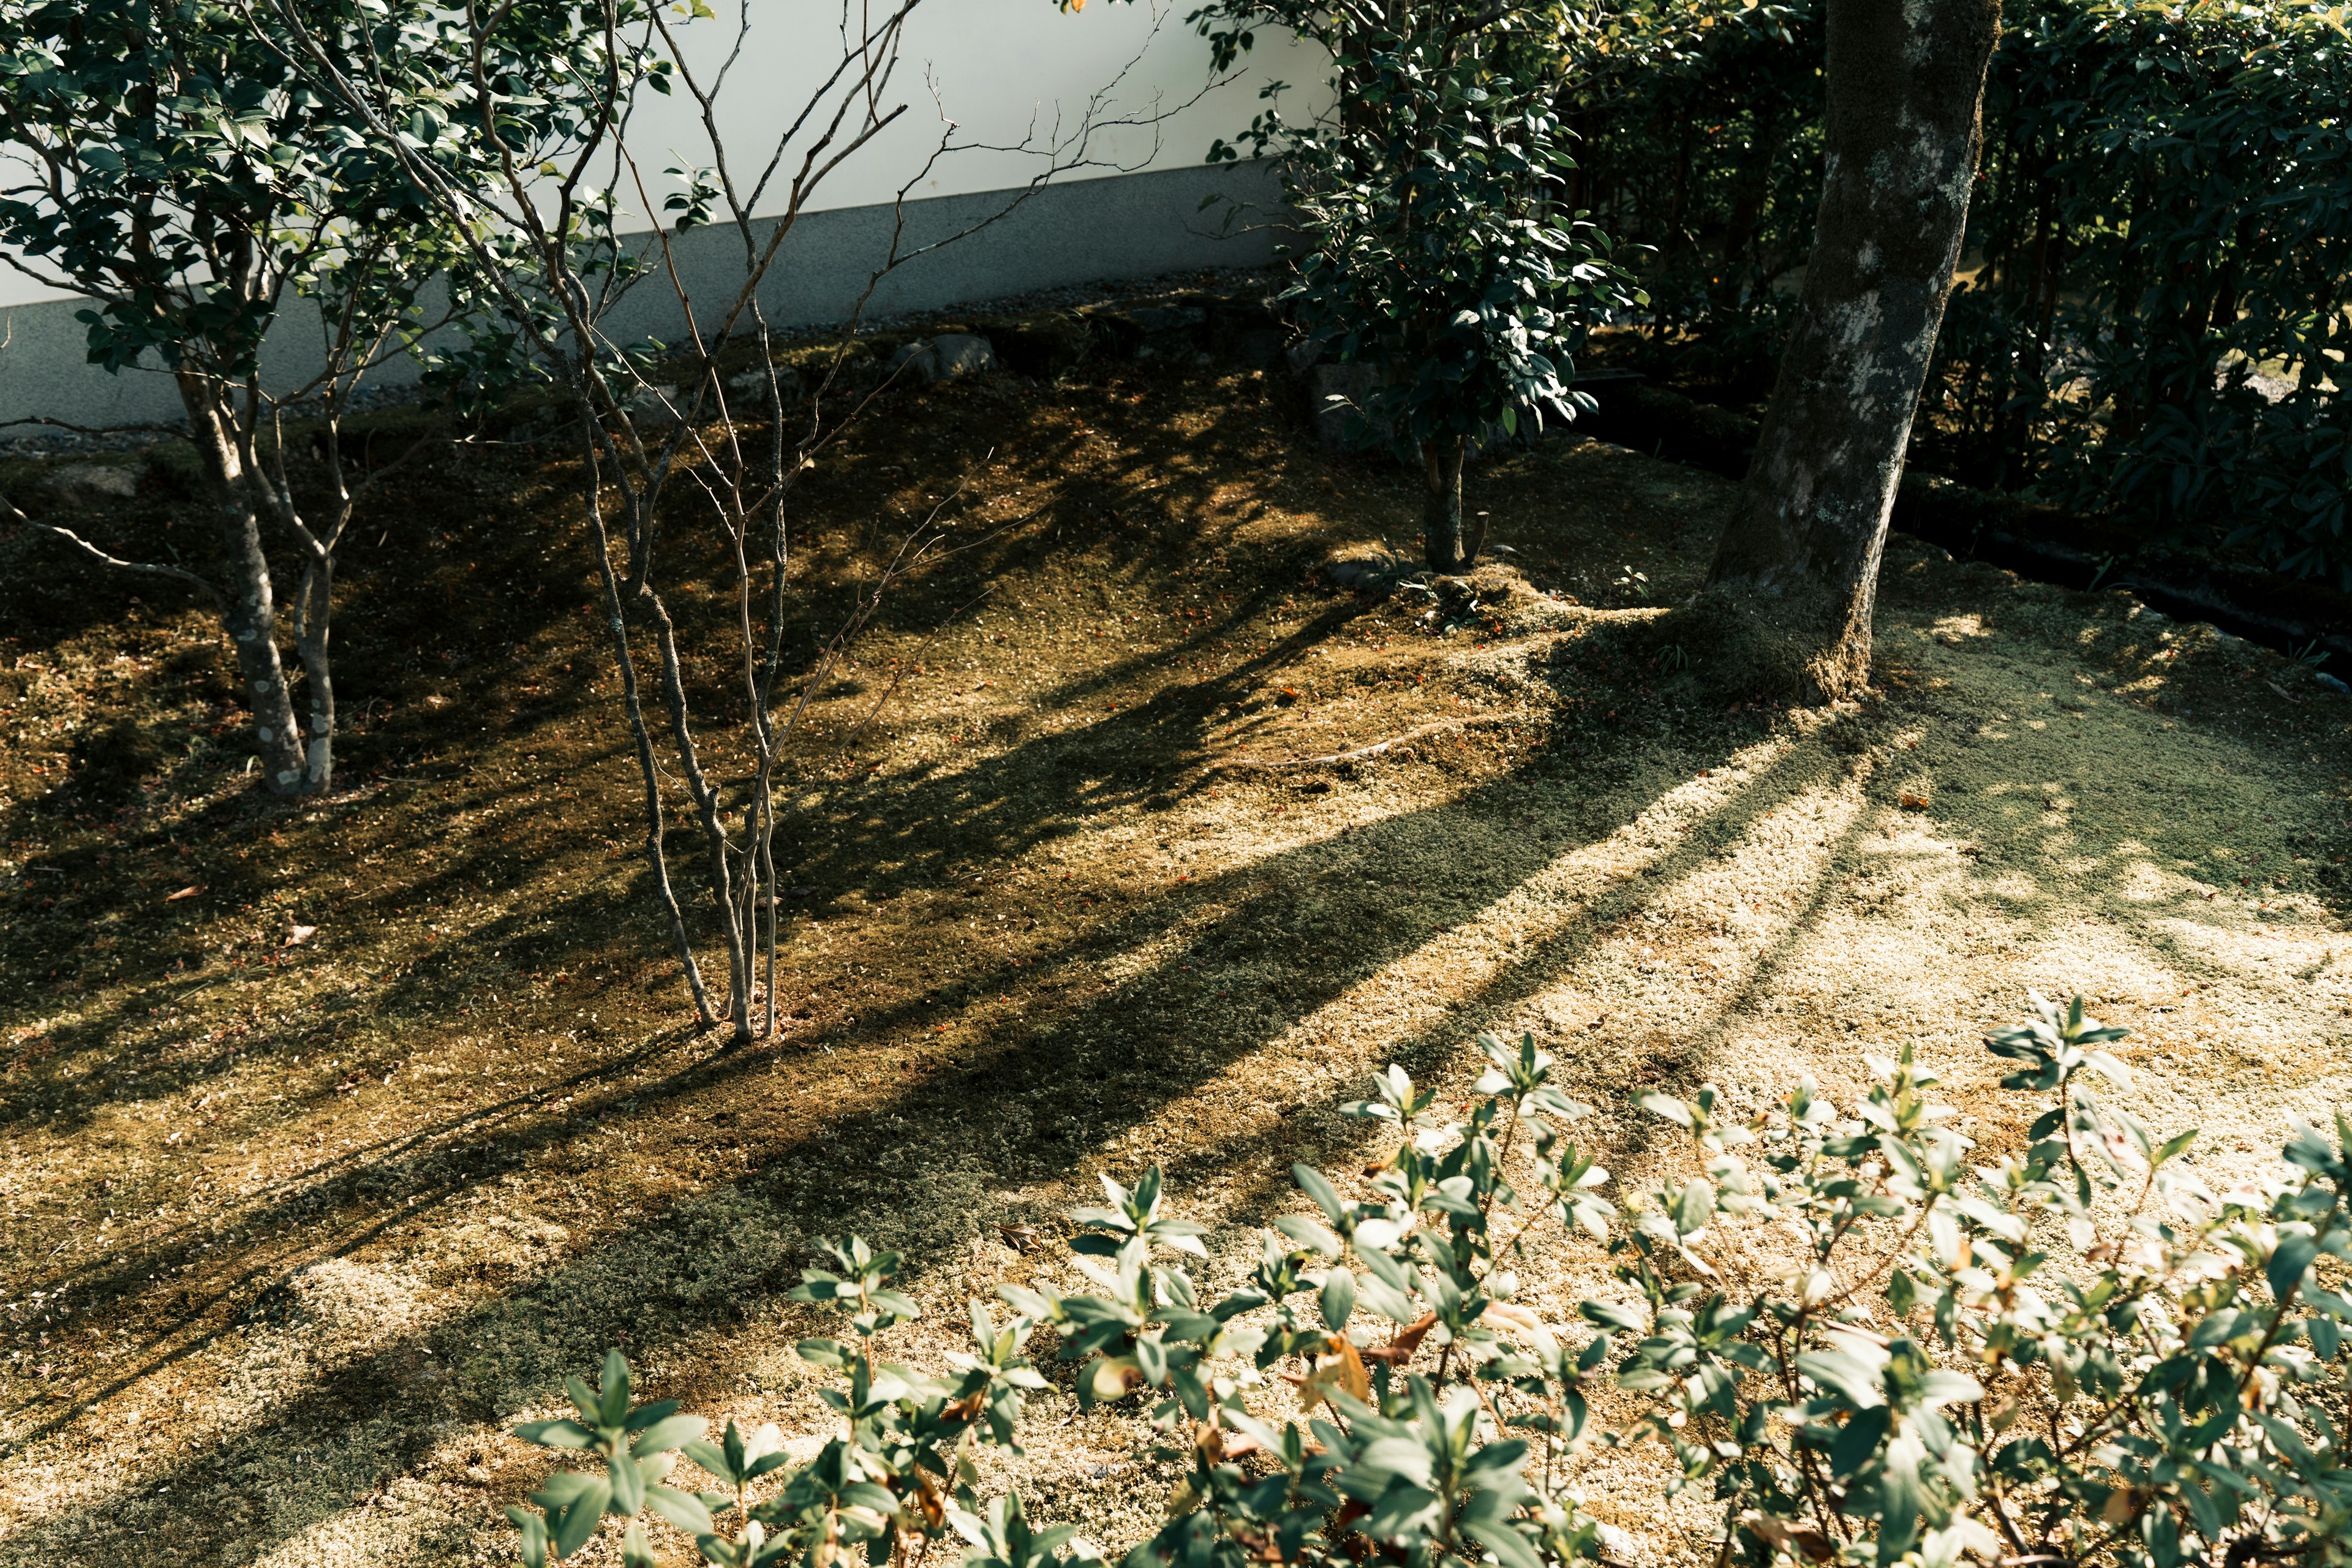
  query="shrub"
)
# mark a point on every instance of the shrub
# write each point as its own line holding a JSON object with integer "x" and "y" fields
{"x": 1857, "y": 1343}
{"x": 1436, "y": 247}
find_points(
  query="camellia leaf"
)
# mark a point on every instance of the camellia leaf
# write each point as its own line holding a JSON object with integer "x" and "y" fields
{"x": 2290, "y": 1262}
{"x": 560, "y": 1433}
{"x": 1338, "y": 1298}
{"x": 1840, "y": 1371}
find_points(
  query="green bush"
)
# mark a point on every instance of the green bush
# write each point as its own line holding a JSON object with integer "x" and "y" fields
{"x": 2164, "y": 215}
{"x": 1862, "y": 1347}
{"x": 1436, "y": 247}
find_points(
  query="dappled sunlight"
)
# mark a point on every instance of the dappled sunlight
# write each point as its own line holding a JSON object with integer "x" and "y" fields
{"x": 1055, "y": 916}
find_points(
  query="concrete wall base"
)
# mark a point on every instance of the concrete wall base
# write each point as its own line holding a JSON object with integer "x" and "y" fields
{"x": 1131, "y": 225}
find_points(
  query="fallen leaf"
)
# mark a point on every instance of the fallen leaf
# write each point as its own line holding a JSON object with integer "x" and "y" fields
{"x": 302, "y": 934}
{"x": 1910, "y": 802}
{"x": 187, "y": 892}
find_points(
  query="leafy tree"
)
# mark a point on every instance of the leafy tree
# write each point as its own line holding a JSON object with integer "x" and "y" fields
{"x": 1436, "y": 248}
{"x": 163, "y": 160}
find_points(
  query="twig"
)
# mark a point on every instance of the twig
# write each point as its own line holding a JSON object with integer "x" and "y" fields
{"x": 1243, "y": 765}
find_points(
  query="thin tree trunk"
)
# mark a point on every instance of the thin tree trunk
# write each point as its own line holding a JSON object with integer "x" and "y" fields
{"x": 252, "y": 615}
{"x": 1904, "y": 86}
{"x": 1442, "y": 546}
{"x": 313, "y": 616}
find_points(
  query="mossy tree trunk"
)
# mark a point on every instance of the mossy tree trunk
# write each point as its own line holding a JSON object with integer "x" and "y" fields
{"x": 1906, "y": 85}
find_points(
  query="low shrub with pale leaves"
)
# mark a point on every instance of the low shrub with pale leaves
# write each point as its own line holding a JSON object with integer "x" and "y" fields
{"x": 1862, "y": 1347}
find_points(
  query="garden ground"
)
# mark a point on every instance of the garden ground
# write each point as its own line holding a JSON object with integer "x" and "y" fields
{"x": 320, "y": 1175}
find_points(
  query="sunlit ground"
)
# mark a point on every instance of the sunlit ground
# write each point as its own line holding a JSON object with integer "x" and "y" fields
{"x": 322, "y": 1231}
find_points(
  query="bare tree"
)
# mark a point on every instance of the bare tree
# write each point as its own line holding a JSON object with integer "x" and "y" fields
{"x": 675, "y": 441}
{"x": 1905, "y": 83}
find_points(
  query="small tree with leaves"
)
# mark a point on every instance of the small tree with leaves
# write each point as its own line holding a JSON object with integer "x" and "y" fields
{"x": 1436, "y": 247}
{"x": 163, "y": 160}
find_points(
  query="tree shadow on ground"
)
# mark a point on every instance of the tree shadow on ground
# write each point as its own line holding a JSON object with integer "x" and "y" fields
{"x": 1104, "y": 1029}
{"x": 885, "y": 1161}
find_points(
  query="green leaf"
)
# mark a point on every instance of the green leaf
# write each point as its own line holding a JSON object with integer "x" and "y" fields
{"x": 560, "y": 1433}
{"x": 613, "y": 1391}
{"x": 533, "y": 1527}
{"x": 683, "y": 1510}
{"x": 712, "y": 1457}
{"x": 1308, "y": 1235}
{"x": 1612, "y": 1315}
{"x": 577, "y": 1520}
{"x": 1510, "y": 1548}
{"x": 1693, "y": 1207}
{"x": 1835, "y": 1370}
{"x": 1338, "y": 1298}
{"x": 2290, "y": 1262}
{"x": 1858, "y": 1440}
{"x": 669, "y": 1432}
{"x": 645, "y": 1416}
{"x": 1667, "y": 1106}
{"x": 1327, "y": 1198}
{"x": 628, "y": 1484}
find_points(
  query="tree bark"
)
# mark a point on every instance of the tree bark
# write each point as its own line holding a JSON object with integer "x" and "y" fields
{"x": 313, "y": 620}
{"x": 1442, "y": 543}
{"x": 252, "y": 613}
{"x": 1906, "y": 87}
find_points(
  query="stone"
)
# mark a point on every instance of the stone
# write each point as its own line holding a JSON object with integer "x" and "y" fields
{"x": 90, "y": 482}
{"x": 929, "y": 361}
{"x": 1149, "y": 330}
{"x": 1250, "y": 333}
{"x": 750, "y": 387}
{"x": 1044, "y": 347}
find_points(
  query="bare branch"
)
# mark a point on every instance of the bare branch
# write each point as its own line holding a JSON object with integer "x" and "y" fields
{"x": 141, "y": 568}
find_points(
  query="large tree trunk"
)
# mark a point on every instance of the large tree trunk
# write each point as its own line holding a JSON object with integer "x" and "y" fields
{"x": 1905, "y": 82}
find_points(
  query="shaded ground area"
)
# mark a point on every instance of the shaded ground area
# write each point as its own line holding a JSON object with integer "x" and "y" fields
{"x": 295, "y": 1228}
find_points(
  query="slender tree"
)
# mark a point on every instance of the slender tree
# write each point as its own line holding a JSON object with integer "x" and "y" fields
{"x": 690, "y": 459}
{"x": 165, "y": 164}
{"x": 1906, "y": 85}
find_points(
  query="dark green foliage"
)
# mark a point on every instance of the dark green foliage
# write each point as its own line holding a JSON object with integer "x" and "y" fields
{"x": 1439, "y": 247}
{"x": 2160, "y": 251}
{"x": 182, "y": 177}
{"x": 2165, "y": 220}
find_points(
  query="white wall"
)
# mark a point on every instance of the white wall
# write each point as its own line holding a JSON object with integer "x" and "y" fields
{"x": 1005, "y": 72}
